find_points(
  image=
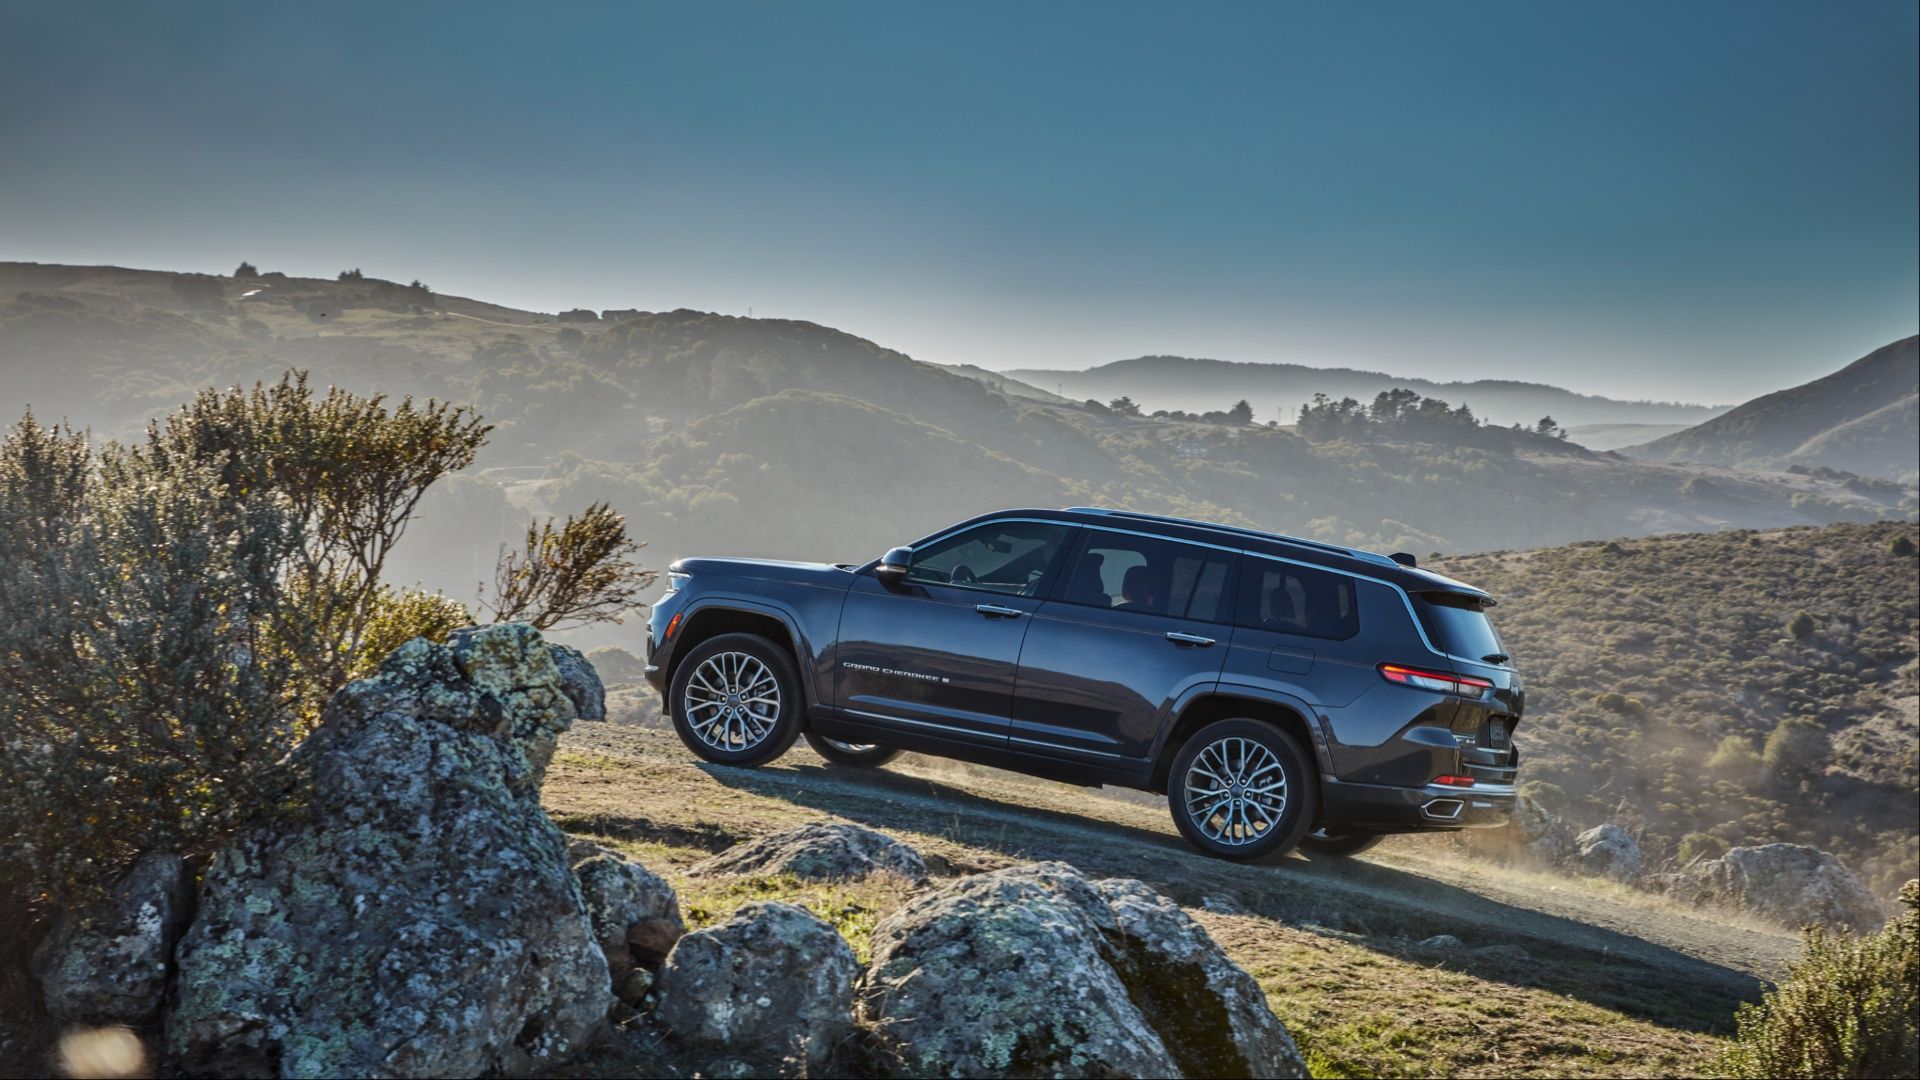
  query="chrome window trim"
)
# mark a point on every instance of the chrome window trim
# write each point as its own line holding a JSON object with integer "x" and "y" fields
{"x": 1399, "y": 590}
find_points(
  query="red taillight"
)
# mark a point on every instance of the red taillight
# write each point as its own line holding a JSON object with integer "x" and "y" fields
{"x": 672, "y": 625}
{"x": 1444, "y": 682}
{"x": 1454, "y": 781}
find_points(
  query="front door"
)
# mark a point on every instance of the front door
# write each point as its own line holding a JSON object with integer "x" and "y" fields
{"x": 1140, "y": 622}
{"x": 936, "y": 653}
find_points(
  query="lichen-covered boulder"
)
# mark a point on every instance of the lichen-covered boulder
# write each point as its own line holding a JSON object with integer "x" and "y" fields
{"x": 107, "y": 963}
{"x": 412, "y": 911}
{"x": 769, "y": 990}
{"x": 818, "y": 852}
{"x": 635, "y": 917}
{"x": 1036, "y": 971}
{"x": 1793, "y": 883}
{"x": 1210, "y": 1013}
{"x": 1609, "y": 851}
{"x": 580, "y": 682}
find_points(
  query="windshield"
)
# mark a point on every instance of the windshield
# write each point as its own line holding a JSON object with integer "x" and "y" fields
{"x": 1458, "y": 625}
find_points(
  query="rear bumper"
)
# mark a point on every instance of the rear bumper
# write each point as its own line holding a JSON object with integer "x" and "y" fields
{"x": 1388, "y": 808}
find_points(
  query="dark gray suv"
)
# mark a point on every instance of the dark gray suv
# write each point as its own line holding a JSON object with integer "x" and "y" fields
{"x": 1280, "y": 692}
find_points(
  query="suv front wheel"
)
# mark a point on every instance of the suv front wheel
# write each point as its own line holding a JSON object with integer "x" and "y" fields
{"x": 736, "y": 700}
{"x": 1242, "y": 790}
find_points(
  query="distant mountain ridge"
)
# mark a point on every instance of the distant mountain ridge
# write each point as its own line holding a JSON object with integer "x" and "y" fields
{"x": 1864, "y": 418}
{"x": 1189, "y": 384}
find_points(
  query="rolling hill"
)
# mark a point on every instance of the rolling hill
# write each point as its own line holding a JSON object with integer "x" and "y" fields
{"x": 1864, "y": 419}
{"x": 1187, "y": 384}
{"x": 721, "y": 434}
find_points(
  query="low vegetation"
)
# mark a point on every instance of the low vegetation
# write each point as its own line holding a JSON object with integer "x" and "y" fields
{"x": 1723, "y": 689}
{"x": 1850, "y": 1006}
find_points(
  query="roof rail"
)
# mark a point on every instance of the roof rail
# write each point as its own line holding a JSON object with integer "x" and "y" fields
{"x": 1235, "y": 529}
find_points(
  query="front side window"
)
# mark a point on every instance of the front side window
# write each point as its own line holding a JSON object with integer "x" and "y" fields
{"x": 1290, "y": 599}
{"x": 1004, "y": 557}
{"x": 1144, "y": 574}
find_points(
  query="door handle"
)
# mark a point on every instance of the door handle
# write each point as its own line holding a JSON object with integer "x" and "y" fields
{"x": 995, "y": 611}
{"x": 1195, "y": 640}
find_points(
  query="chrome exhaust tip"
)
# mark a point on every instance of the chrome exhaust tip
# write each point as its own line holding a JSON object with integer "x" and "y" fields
{"x": 1442, "y": 809}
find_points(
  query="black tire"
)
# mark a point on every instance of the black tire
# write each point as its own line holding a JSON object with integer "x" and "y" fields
{"x": 1340, "y": 842}
{"x": 854, "y": 755}
{"x": 1227, "y": 742}
{"x": 757, "y": 728}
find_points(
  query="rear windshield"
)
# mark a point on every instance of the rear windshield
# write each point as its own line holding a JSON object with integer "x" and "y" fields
{"x": 1458, "y": 625}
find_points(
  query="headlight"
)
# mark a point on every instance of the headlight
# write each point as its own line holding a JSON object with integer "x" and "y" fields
{"x": 677, "y": 580}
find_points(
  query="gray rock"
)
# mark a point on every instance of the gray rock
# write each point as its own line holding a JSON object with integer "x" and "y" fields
{"x": 108, "y": 963}
{"x": 1793, "y": 883}
{"x": 1441, "y": 941}
{"x": 1608, "y": 850}
{"x": 1035, "y": 971}
{"x": 1545, "y": 837}
{"x": 771, "y": 986}
{"x": 818, "y": 852}
{"x": 635, "y": 917}
{"x": 1210, "y": 1013}
{"x": 414, "y": 913}
{"x": 580, "y": 682}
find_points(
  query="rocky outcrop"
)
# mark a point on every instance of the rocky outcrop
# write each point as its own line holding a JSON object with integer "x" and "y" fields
{"x": 1608, "y": 850}
{"x": 108, "y": 963}
{"x": 768, "y": 991}
{"x": 635, "y": 917}
{"x": 412, "y": 912}
{"x": 1036, "y": 971}
{"x": 818, "y": 852}
{"x": 580, "y": 682}
{"x": 1793, "y": 883}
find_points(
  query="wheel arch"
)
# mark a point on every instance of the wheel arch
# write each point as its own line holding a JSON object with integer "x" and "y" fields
{"x": 1289, "y": 716}
{"x": 711, "y": 619}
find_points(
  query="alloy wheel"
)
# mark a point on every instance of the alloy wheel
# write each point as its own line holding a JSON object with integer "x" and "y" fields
{"x": 732, "y": 701}
{"x": 1235, "y": 791}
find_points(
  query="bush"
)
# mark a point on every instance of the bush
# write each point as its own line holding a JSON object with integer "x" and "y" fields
{"x": 1802, "y": 626}
{"x": 1849, "y": 1007}
{"x": 1696, "y": 847}
{"x": 195, "y": 600}
{"x": 1798, "y": 747}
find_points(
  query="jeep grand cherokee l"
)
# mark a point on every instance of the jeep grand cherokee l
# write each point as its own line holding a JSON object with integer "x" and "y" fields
{"x": 1280, "y": 692}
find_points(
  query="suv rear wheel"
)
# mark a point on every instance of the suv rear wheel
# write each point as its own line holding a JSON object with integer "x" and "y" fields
{"x": 1241, "y": 789}
{"x": 736, "y": 700}
{"x": 1340, "y": 841}
{"x": 858, "y": 755}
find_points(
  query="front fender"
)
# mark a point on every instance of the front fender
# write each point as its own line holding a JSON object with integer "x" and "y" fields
{"x": 804, "y": 643}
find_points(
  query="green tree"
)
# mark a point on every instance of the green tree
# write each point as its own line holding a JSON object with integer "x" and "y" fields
{"x": 246, "y": 270}
{"x": 1241, "y": 413}
{"x": 1124, "y": 406}
{"x": 1801, "y": 625}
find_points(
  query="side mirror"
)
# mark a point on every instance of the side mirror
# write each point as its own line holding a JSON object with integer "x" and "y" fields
{"x": 892, "y": 569}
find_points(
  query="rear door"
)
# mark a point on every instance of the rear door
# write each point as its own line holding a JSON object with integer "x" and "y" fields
{"x": 1136, "y": 623}
{"x": 937, "y": 652}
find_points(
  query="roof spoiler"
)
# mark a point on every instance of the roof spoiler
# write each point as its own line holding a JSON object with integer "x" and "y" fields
{"x": 1403, "y": 558}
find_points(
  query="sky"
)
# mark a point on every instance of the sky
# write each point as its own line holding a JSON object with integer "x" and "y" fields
{"x": 1700, "y": 201}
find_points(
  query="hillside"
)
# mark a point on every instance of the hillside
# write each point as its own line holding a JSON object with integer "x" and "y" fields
{"x": 722, "y": 434}
{"x": 1615, "y": 436}
{"x": 1864, "y": 418}
{"x": 1188, "y": 384}
{"x": 1667, "y": 678}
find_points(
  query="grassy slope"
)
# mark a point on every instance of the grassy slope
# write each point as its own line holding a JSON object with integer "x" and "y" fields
{"x": 1334, "y": 946}
{"x": 1689, "y": 635}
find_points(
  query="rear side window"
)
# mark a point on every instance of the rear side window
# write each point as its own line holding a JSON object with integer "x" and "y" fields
{"x": 1458, "y": 625}
{"x": 1156, "y": 577}
{"x": 1290, "y": 599}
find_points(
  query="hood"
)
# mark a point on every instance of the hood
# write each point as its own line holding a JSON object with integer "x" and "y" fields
{"x": 761, "y": 569}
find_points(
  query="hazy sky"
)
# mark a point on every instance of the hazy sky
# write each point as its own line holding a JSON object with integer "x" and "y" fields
{"x": 1700, "y": 201}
